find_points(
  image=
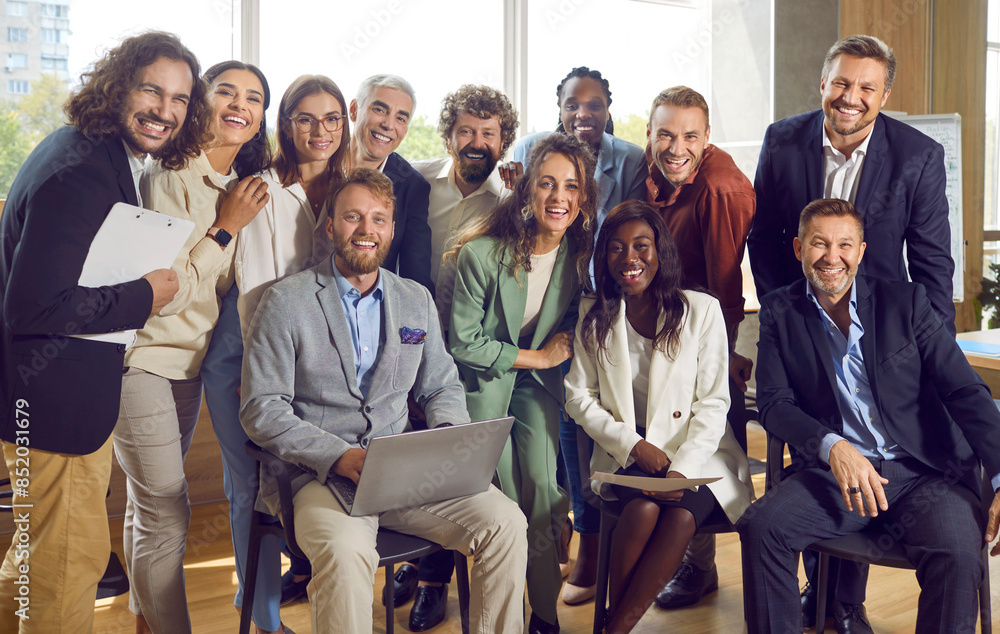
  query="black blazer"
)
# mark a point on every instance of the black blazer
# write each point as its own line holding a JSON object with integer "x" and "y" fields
{"x": 901, "y": 194}
{"x": 410, "y": 252}
{"x": 931, "y": 400}
{"x": 64, "y": 392}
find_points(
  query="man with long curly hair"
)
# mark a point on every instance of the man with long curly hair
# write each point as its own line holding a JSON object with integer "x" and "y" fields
{"x": 60, "y": 392}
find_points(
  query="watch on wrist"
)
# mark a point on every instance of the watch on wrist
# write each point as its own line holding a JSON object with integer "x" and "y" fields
{"x": 221, "y": 236}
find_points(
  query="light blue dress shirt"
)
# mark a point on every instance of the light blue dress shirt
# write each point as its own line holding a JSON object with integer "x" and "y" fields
{"x": 364, "y": 317}
{"x": 863, "y": 426}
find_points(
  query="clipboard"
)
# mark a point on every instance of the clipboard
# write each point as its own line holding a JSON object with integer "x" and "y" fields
{"x": 652, "y": 484}
{"x": 131, "y": 242}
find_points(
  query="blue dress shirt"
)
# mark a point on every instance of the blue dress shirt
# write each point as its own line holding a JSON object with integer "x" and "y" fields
{"x": 863, "y": 426}
{"x": 364, "y": 316}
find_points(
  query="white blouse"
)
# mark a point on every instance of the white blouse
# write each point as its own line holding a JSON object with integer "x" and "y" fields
{"x": 285, "y": 238}
{"x": 538, "y": 282}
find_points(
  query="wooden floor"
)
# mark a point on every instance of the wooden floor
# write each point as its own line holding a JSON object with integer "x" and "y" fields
{"x": 211, "y": 585}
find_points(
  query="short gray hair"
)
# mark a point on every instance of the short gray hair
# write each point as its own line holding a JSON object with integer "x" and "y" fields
{"x": 864, "y": 46}
{"x": 395, "y": 82}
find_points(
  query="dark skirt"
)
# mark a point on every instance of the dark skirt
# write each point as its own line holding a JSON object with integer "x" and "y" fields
{"x": 699, "y": 503}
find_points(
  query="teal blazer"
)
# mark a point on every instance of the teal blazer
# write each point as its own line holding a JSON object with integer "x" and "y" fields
{"x": 486, "y": 315}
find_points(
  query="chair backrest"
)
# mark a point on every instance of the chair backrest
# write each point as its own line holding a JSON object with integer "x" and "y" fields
{"x": 279, "y": 469}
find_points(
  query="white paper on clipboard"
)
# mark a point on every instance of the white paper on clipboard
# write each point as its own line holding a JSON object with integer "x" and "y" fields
{"x": 652, "y": 484}
{"x": 131, "y": 242}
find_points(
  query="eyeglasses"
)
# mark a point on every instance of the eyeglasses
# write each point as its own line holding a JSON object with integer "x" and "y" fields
{"x": 305, "y": 123}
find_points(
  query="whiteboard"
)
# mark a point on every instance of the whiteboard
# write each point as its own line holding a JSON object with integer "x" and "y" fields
{"x": 946, "y": 129}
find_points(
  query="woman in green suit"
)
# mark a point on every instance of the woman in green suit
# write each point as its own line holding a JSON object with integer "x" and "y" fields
{"x": 520, "y": 274}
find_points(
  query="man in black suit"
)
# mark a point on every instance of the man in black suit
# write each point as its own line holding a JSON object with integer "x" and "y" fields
{"x": 886, "y": 421}
{"x": 60, "y": 393}
{"x": 381, "y": 115}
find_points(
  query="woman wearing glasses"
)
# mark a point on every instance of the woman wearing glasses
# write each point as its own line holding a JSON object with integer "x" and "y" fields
{"x": 287, "y": 236}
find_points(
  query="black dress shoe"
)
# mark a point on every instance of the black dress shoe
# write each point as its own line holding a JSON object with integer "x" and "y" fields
{"x": 688, "y": 586}
{"x": 429, "y": 607}
{"x": 809, "y": 601}
{"x": 850, "y": 618}
{"x": 537, "y": 625}
{"x": 404, "y": 584}
{"x": 292, "y": 589}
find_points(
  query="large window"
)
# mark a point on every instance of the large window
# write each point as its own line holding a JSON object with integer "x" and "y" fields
{"x": 54, "y": 63}
{"x": 17, "y": 60}
{"x": 18, "y": 86}
{"x": 17, "y": 8}
{"x": 437, "y": 46}
{"x": 17, "y": 35}
{"x": 55, "y": 36}
{"x": 55, "y": 10}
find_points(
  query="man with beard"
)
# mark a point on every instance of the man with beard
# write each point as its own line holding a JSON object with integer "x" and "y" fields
{"x": 60, "y": 393}
{"x": 478, "y": 124}
{"x": 708, "y": 204}
{"x": 894, "y": 175}
{"x": 887, "y": 423}
{"x": 317, "y": 410}
{"x": 381, "y": 115}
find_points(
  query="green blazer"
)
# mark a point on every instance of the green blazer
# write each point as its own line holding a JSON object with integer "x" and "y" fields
{"x": 486, "y": 315}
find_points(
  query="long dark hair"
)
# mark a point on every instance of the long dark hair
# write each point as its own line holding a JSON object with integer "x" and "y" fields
{"x": 665, "y": 289}
{"x": 255, "y": 155}
{"x": 583, "y": 71}
{"x": 285, "y": 159}
{"x": 96, "y": 107}
{"x": 516, "y": 231}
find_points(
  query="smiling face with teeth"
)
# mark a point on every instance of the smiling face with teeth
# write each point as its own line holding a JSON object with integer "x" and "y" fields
{"x": 853, "y": 93}
{"x": 157, "y": 106}
{"x": 237, "y": 106}
{"x": 631, "y": 257}
{"x": 361, "y": 230}
{"x": 677, "y": 139}
{"x": 381, "y": 125}
{"x": 583, "y": 110}
{"x": 830, "y": 249}
{"x": 555, "y": 199}
{"x": 318, "y": 144}
{"x": 475, "y": 145}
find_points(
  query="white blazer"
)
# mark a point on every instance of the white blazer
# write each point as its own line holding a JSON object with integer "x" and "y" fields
{"x": 686, "y": 410}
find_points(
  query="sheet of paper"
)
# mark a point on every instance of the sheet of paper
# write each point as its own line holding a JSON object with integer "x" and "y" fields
{"x": 652, "y": 484}
{"x": 132, "y": 242}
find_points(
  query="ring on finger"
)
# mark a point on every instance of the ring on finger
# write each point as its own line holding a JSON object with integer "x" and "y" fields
{"x": 256, "y": 197}
{"x": 854, "y": 490}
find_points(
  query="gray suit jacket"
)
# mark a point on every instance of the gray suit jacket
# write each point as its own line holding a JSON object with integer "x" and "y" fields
{"x": 300, "y": 396}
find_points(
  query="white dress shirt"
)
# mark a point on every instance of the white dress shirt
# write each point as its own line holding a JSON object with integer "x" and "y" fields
{"x": 841, "y": 173}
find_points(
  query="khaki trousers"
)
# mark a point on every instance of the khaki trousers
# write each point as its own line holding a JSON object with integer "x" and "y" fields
{"x": 61, "y": 544}
{"x": 487, "y": 526}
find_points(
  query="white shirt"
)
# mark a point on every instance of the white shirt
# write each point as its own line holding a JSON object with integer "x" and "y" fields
{"x": 841, "y": 174}
{"x": 538, "y": 283}
{"x": 284, "y": 238}
{"x": 450, "y": 213}
{"x": 137, "y": 165}
{"x": 640, "y": 353}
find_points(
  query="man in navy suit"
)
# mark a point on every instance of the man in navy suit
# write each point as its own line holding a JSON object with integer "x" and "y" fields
{"x": 381, "y": 115}
{"x": 886, "y": 421}
{"x": 60, "y": 393}
{"x": 894, "y": 175}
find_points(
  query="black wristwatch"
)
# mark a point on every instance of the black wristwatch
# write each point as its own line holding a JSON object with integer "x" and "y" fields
{"x": 221, "y": 236}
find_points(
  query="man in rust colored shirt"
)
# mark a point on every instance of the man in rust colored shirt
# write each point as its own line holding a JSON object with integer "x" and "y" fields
{"x": 708, "y": 205}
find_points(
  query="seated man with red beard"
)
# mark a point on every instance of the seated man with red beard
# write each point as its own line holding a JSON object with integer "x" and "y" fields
{"x": 302, "y": 403}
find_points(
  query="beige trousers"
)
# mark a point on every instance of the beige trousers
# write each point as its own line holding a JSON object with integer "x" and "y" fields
{"x": 61, "y": 544}
{"x": 487, "y": 526}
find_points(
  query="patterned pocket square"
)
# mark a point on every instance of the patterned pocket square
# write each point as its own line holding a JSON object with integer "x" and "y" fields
{"x": 412, "y": 335}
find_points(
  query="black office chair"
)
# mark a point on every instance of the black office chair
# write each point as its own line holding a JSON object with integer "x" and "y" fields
{"x": 855, "y": 547}
{"x": 716, "y": 523}
{"x": 392, "y": 547}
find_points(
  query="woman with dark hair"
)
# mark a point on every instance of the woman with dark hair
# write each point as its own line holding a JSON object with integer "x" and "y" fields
{"x": 649, "y": 383}
{"x": 584, "y": 99}
{"x": 288, "y": 236}
{"x": 151, "y": 439}
{"x": 519, "y": 276}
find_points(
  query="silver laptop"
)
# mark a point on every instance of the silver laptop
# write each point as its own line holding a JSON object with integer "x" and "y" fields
{"x": 420, "y": 467}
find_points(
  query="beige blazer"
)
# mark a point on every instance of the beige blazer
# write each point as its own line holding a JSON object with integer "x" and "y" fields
{"x": 686, "y": 410}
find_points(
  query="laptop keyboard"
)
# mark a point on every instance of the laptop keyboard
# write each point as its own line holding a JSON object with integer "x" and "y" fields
{"x": 344, "y": 486}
